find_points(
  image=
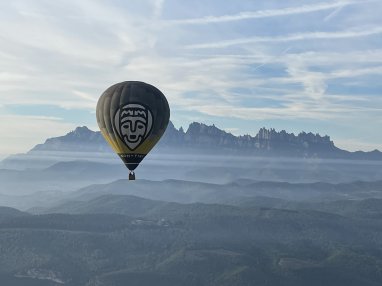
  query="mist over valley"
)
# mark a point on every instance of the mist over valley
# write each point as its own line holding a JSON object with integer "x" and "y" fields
{"x": 232, "y": 216}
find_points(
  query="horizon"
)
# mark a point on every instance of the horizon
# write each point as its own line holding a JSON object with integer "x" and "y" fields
{"x": 295, "y": 66}
{"x": 185, "y": 129}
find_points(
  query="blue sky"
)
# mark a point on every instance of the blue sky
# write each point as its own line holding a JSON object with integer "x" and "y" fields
{"x": 241, "y": 65}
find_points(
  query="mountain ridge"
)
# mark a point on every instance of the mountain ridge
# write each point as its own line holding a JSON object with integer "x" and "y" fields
{"x": 204, "y": 244}
{"x": 209, "y": 138}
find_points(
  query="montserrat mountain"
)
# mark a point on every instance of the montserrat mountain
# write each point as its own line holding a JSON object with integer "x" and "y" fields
{"x": 210, "y": 139}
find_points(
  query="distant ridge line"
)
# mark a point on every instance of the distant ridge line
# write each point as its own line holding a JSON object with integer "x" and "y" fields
{"x": 210, "y": 139}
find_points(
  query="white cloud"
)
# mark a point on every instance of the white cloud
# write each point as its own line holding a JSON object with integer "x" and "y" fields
{"x": 313, "y": 82}
{"x": 352, "y": 33}
{"x": 355, "y": 144}
{"x": 66, "y": 53}
{"x": 85, "y": 96}
{"x": 349, "y": 73}
{"x": 21, "y": 133}
{"x": 158, "y": 7}
{"x": 268, "y": 13}
{"x": 333, "y": 14}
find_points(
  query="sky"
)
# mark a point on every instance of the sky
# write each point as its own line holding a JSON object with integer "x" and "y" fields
{"x": 295, "y": 65}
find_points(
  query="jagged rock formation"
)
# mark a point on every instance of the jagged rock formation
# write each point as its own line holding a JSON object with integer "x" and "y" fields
{"x": 80, "y": 139}
{"x": 204, "y": 138}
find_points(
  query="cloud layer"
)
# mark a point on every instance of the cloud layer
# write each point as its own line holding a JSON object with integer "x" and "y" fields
{"x": 294, "y": 65}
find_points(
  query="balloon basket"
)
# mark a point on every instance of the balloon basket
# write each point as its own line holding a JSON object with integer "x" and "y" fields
{"x": 131, "y": 176}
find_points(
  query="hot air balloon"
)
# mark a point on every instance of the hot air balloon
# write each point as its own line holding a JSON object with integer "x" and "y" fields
{"x": 132, "y": 117}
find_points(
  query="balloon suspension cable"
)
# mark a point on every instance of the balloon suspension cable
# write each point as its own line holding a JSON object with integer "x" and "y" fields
{"x": 131, "y": 176}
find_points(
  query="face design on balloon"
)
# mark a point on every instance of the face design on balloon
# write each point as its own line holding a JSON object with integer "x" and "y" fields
{"x": 133, "y": 123}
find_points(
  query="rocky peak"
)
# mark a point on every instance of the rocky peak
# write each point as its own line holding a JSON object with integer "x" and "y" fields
{"x": 81, "y": 132}
{"x": 209, "y": 138}
{"x": 199, "y": 134}
{"x": 80, "y": 139}
{"x": 197, "y": 128}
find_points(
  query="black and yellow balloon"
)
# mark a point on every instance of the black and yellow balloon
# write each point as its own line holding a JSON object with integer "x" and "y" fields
{"x": 132, "y": 117}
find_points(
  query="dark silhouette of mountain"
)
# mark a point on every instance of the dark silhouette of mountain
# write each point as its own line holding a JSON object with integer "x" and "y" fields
{"x": 112, "y": 204}
{"x": 80, "y": 139}
{"x": 206, "y": 139}
{"x": 194, "y": 244}
{"x": 232, "y": 193}
{"x": 11, "y": 212}
{"x": 63, "y": 176}
{"x": 140, "y": 207}
{"x": 356, "y": 208}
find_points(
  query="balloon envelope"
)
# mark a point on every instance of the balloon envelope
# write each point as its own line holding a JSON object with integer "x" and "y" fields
{"x": 132, "y": 117}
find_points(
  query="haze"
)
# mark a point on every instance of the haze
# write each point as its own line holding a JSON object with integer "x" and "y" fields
{"x": 291, "y": 65}
{"x": 222, "y": 200}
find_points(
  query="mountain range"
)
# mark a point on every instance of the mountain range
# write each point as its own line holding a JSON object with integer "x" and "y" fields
{"x": 204, "y": 139}
{"x": 241, "y": 231}
{"x": 119, "y": 240}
